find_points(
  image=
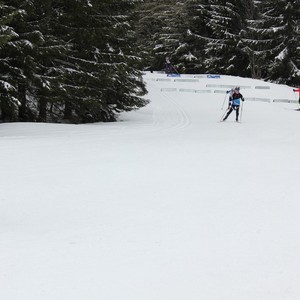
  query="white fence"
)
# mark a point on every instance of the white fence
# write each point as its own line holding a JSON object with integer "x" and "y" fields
{"x": 268, "y": 100}
{"x": 186, "y": 80}
{"x": 262, "y": 87}
{"x": 285, "y": 101}
{"x": 168, "y": 89}
{"x": 258, "y": 99}
{"x": 216, "y": 88}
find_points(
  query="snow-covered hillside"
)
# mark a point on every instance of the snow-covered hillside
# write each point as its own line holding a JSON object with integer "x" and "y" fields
{"x": 168, "y": 203}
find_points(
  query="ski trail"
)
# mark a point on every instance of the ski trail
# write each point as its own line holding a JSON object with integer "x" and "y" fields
{"x": 167, "y": 114}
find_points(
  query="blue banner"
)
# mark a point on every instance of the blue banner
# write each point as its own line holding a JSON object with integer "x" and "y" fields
{"x": 213, "y": 76}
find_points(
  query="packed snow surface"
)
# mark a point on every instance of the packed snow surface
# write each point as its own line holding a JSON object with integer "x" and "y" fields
{"x": 166, "y": 204}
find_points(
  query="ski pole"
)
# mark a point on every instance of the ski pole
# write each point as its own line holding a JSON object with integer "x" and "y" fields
{"x": 224, "y": 101}
{"x": 241, "y": 111}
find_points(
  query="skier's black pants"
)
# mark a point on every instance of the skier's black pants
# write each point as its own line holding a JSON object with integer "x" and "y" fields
{"x": 237, "y": 111}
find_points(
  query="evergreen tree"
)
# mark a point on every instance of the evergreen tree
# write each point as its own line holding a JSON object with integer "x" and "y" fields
{"x": 26, "y": 54}
{"x": 283, "y": 20}
{"x": 8, "y": 100}
{"x": 214, "y": 35}
{"x": 68, "y": 60}
{"x": 255, "y": 44}
{"x": 51, "y": 51}
{"x": 238, "y": 37}
{"x": 197, "y": 35}
{"x": 271, "y": 41}
{"x": 162, "y": 30}
{"x": 101, "y": 77}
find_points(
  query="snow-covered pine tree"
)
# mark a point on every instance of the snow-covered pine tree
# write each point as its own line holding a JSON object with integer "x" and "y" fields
{"x": 197, "y": 35}
{"x": 254, "y": 43}
{"x": 43, "y": 85}
{"x": 8, "y": 89}
{"x": 101, "y": 76}
{"x": 214, "y": 35}
{"x": 46, "y": 89}
{"x": 271, "y": 41}
{"x": 162, "y": 29}
{"x": 7, "y": 13}
{"x": 64, "y": 59}
{"x": 212, "y": 40}
{"x": 26, "y": 56}
{"x": 147, "y": 25}
{"x": 283, "y": 17}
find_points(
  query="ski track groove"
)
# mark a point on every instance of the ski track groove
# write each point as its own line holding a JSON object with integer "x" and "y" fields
{"x": 183, "y": 118}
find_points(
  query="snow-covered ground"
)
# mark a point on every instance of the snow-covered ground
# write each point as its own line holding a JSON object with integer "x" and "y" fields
{"x": 167, "y": 204}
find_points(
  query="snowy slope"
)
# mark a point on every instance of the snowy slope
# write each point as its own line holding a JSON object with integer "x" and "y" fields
{"x": 168, "y": 203}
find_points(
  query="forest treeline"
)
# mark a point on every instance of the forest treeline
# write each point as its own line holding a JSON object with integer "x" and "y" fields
{"x": 81, "y": 61}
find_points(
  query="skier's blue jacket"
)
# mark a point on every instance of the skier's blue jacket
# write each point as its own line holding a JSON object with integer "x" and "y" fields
{"x": 235, "y": 99}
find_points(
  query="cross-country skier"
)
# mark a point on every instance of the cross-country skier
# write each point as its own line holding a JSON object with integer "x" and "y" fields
{"x": 297, "y": 91}
{"x": 234, "y": 103}
{"x": 168, "y": 66}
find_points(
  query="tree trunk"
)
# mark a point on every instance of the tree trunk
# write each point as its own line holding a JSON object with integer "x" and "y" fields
{"x": 42, "y": 109}
{"x": 68, "y": 110}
